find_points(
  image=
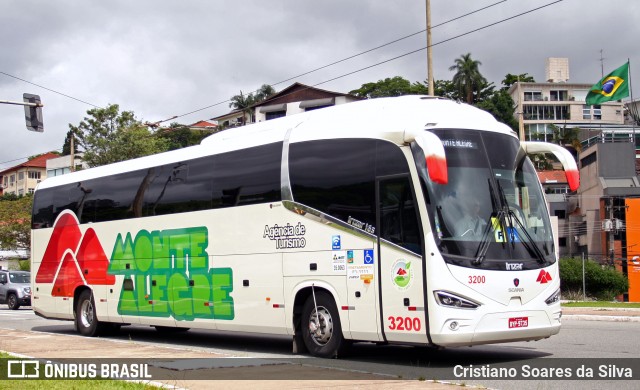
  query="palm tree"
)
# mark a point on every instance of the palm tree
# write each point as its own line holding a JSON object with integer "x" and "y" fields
{"x": 243, "y": 103}
{"x": 264, "y": 92}
{"x": 468, "y": 77}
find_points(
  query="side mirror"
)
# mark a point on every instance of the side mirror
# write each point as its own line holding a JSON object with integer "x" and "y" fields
{"x": 435, "y": 159}
{"x": 562, "y": 154}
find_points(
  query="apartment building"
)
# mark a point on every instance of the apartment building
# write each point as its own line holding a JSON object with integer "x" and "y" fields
{"x": 23, "y": 178}
{"x": 559, "y": 102}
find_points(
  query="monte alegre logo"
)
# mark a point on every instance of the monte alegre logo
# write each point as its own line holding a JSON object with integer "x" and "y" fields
{"x": 72, "y": 258}
{"x": 167, "y": 273}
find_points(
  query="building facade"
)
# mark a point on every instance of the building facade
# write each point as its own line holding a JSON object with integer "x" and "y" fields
{"x": 22, "y": 179}
{"x": 294, "y": 99}
{"x": 560, "y": 103}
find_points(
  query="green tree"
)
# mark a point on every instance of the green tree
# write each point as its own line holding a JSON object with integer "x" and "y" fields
{"x": 394, "y": 86}
{"x": 511, "y": 79}
{"x": 446, "y": 89}
{"x": 467, "y": 78}
{"x": 108, "y": 135}
{"x": 264, "y": 92}
{"x": 15, "y": 222}
{"x": 501, "y": 106}
{"x": 180, "y": 136}
{"x": 244, "y": 103}
{"x": 66, "y": 147}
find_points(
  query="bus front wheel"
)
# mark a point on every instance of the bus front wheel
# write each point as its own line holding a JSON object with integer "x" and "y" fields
{"x": 321, "y": 329}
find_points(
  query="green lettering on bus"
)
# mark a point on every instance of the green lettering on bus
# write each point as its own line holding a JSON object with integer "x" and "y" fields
{"x": 171, "y": 277}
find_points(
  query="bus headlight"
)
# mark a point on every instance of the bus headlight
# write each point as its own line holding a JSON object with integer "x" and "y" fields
{"x": 451, "y": 300}
{"x": 555, "y": 297}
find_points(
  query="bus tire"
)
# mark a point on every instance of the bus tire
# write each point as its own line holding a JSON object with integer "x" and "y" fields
{"x": 322, "y": 333}
{"x": 86, "y": 318}
{"x": 12, "y": 302}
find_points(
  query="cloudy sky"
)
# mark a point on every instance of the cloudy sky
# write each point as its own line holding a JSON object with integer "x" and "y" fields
{"x": 161, "y": 58}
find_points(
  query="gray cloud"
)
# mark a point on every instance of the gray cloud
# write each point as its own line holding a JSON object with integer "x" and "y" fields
{"x": 165, "y": 58}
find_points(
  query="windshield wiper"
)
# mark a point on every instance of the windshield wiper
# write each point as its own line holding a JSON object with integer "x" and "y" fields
{"x": 484, "y": 242}
{"x": 530, "y": 244}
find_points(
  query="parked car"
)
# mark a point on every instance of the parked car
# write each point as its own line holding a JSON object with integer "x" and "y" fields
{"x": 15, "y": 288}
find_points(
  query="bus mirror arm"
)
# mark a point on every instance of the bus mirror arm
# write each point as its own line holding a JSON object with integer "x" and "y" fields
{"x": 436, "y": 160}
{"x": 562, "y": 154}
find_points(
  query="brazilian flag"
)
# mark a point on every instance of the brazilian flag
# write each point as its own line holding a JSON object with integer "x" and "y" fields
{"x": 613, "y": 86}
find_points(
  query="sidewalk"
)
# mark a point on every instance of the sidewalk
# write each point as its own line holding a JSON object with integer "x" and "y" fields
{"x": 601, "y": 314}
{"x": 228, "y": 371}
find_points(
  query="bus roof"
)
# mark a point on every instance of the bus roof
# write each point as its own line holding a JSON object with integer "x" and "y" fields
{"x": 382, "y": 118}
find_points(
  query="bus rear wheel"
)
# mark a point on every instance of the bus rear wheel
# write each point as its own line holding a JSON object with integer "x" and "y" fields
{"x": 86, "y": 319}
{"x": 321, "y": 328}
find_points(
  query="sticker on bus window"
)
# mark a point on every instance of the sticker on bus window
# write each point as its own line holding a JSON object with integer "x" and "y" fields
{"x": 339, "y": 262}
{"x": 368, "y": 256}
{"x": 335, "y": 243}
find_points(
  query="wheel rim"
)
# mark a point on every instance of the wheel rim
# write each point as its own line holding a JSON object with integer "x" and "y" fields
{"x": 321, "y": 326}
{"x": 86, "y": 314}
{"x": 12, "y": 301}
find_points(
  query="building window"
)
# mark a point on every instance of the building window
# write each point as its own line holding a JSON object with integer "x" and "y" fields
{"x": 20, "y": 176}
{"x": 531, "y": 96}
{"x": 541, "y": 112}
{"x": 586, "y": 112}
{"x": 562, "y": 241}
{"x": 597, "y": 112}
{"x": 558, "y": 96}
{"x": 20, "y": 192}
{"x": 590, "y": 159}
{"x": 34, "y": 175}
{"x": 561, "y": 214}
{"x": 12, "y": 180}
{"x": 31, "y": 190}
{"x": 6, "y": 181}
{"x": 275, "y": 114}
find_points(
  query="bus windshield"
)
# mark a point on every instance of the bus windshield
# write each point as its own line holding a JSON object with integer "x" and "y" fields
{"x": 492, "y": 210}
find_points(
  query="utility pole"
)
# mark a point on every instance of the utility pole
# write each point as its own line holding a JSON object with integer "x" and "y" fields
{"x": 612, "y": 232}
{"x": 73, "y": 152}
{"x": 429, "y": 53}
{"x": 520, "y": 113}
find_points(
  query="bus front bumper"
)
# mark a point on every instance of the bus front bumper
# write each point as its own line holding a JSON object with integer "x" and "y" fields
{"x": 500, "y": 327}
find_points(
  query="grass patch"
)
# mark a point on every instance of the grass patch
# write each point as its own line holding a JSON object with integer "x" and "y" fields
{"x": 61, "y": 384}
{"x": 602, "y": 304}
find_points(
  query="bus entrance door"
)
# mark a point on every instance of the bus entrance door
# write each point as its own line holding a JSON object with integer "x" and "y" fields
{"x": 400, "y": 262}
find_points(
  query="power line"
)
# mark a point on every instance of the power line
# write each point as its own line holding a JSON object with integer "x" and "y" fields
{"x": 49, "y": 89}
{"x": 352, "y": 56}
{"x": 393, "y": 58}
{"x": 349, "y": 73}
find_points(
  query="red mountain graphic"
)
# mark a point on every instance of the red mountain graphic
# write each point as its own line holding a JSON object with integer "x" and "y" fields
{"x": 73, "y": 259}
{"x": 543, "y": 277}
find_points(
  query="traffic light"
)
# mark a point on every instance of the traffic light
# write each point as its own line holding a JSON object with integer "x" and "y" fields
{"x": 33, "y": 112}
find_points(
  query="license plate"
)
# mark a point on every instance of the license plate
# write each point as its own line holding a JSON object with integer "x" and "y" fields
{"x": 518, "y": 322}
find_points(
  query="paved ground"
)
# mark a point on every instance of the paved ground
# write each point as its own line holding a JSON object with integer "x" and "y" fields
{"x": 253, "y": 373}
{"x": 601, "y": 314}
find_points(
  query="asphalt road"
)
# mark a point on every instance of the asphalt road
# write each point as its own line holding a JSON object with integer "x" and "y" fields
{"x": 577, "y": 340}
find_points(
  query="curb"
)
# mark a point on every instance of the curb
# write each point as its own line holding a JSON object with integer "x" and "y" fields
{"x": 590, "y": 317}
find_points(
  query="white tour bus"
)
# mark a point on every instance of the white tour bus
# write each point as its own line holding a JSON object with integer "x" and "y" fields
{"x": 411, "y": 220}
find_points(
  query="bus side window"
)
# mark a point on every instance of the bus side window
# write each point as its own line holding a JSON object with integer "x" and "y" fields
{"x": 398, "y": 218}
{"x": 336, "y": 177}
